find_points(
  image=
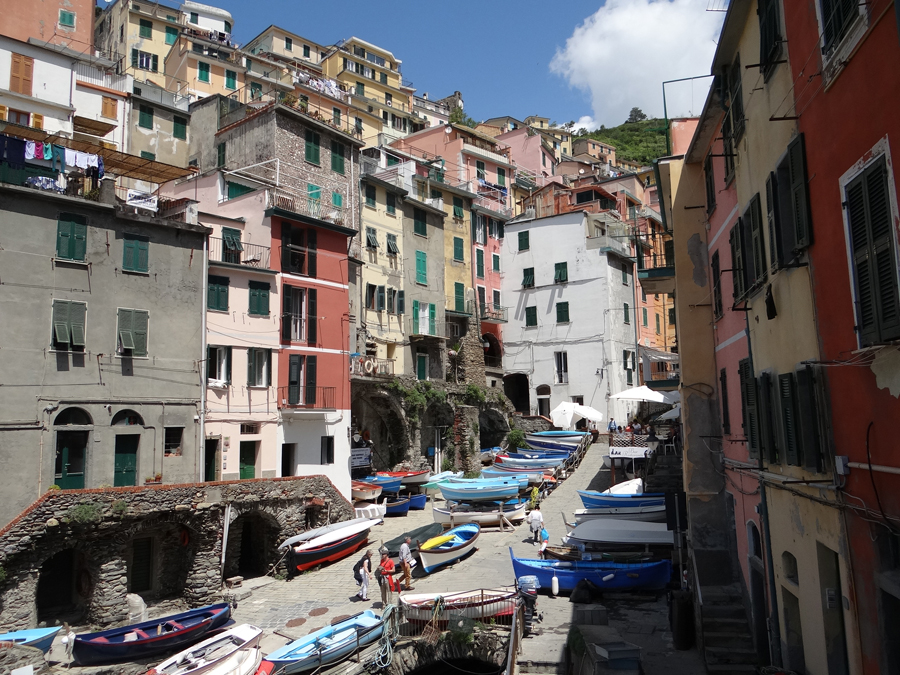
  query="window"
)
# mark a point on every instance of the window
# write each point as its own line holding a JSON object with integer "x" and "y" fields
{"x": 787, "y": 206}
{"x": 109, "y": 108}
{"x": 458, "y": 249}
{"x": 371, "y": 196}
{"x": 327, "y": 450}
{"x": 173, "y": 436}
{"x": 314, "y": 197}
{"x": 371, "y": 291}
{"x": 231, "y": 245}
{"x": 501, "y": 176}
{"x": 710, "y": 177}
{"x": 624, "y": 274}
{"x": 390, "y": 203}
{"x": 421, "y": 268}
{"x": 259, "y": 298}
{"x": 561, "y": 367}
{"x": 217, "y": 293}
{"x": 306, "y": 51}
{"x": 757, "y": 264}
{"x": 145, "y": 117}
{"x": 299, "y": 314}
{"x": 482, "y": 299}
{"x": 436, "y": 194}
{"x": 195, "y": 18}
{"x": 644, "y": 314}
{"x": 220, "y": 155}
{"x": 530, "y": 317}
{"x": 459, "y": 297}
{"x": 458, "y": 207}
{"x": 496, "y": 299}
{"x": 337, "y": 157}
{"x": 419, "y": 222}
{"x": 479, "y": 229}
{"x": 259, "y": 367}
{"x": 337, "y": 200}
{"x": 671, "y": 316}
{"x": 67, "y": 19}
{"x": 723, "y": 393}
{"x": 71, "y": 236}
{"x": 873, "y": 243}
{"x": 135, "y": 253}
{"x": 769, "y": 35}
{"x": 738, "y": 270}
{"x": 717, "y": 286}
{"x": 523, "y": 241}
{"x": 371, "y": 238}
{"x": 312, "y": 147}
{"x": 218, "y": 364}
{"x": 627, "y": 314}
{"x": 360, "y": 89}
{"x": 735, "y": 113}
{"x": 479, "y": 263}
{"x": 837, "y": 16}
{"x": 528, "y": 277}
{"x": 629, "y": 363}
{"x": 392, "y": 247}
{"x": 230, "y": 79}
{"x": 479, "y": 170}
{"x": 288, "y": 44}
{"x": 171, "y": 35}
{"x": 298, "y": 250}
{"x": 146, "y": 28}
{"x": 179, "y": 127}
{"x": 384, "y": 80}
{"x": 657, "y": 324}
{"x": 749, "y": 407}
{"x": 495, "y": 262}
{"x": 561, "y": 273}
{"x": 388, "y": 99}
{"x": 562, "y": 312}
{"x": 131, "y": 332}
{"x": 68, "y": 325}
{"x": 203, "y": 71}
{"x": 148, "y": 155}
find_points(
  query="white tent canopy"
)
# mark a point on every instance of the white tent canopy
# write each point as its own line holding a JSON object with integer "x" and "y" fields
{"x": 645, "y": 393}
{"x": 567, "y": 413}
{"x": 672, "y": 414}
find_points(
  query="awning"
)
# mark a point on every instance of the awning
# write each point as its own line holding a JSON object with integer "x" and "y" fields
{"x": 644, "y": 393}
{"x": 658, "y": 355}
{"x": 115, "y": 162}
{"x": 85, "y": 125}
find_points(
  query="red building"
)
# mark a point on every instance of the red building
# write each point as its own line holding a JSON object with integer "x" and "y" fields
{"x": 844, "y": 60}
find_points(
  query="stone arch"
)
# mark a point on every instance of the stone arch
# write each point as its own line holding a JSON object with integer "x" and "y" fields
{"x": 494, "y": 348}
{"x": 64, "y": 586}
{"x": 492, "y": 427}
{"x": 439, "y": 416}
{"x": 377, "y": 412}
{"x": 485, "y": 654}
{"x": 158, "y": 555}
{"x": 127, "y": 418}
{"x": 73, "y": 417}
{"x": 252, "y": 546}
{"x": 515, "y": 386}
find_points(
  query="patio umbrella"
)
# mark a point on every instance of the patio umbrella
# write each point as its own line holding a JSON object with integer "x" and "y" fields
{"x": 672, "y": 414}
{"x": 567, "y": 413}
{"x": 645, "y": 393}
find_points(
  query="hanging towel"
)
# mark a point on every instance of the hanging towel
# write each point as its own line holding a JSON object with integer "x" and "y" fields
{"x": 81, "y": 160}
{"x": 100, "y": 170}
{"x": 59, "y": 154}
{"x": 92, "y": 160}
{"x": 39, "y": 150}
{"x": 29, "y": 149}
{"x": 48, "y": 151}
{"x": 15, "y": 152}
{"x": 70, "y": 157}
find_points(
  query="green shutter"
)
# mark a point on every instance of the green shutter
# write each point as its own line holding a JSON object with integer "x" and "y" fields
{"x": 457, "y": 207}
{"x": 523, "y": 241}
{"x": 179, "y": 128}
{"x": 135, "y": 54}
{"x": 644, "y": 315}
{"x": 259, "y": 298}
{"x": 124, "y": 328}
{"x": 421, "y": 268}
{"x": 171, "y": 35}
{"x": 495, "y": 262}
{"x": 757, "y": 240}
{"x": 479, "y": 170}
{"x": 371, "y": 195}
{"x": 401, "y": 302}
{"x": 77, "y": 311}
{"x": 146, "y": 28}
{"x": 750, "y": 407}
{"x": 145, "y": 118}
{"x": 788, "y": 417}
{"x": 799, "y": 194}
{"x": 657, "y": 324}
{"x": 419, "y": 222}
{"x": 808, "y": 419}
{"x": 203, "y": 74}
{"x": 392, "y": 244}
{"x": 64, "y": 239}
{"x": 230, "y": 79}
{"x": 295, "y": 365}
{"x": 561, "y": 274}
{"x": 141, "y": 319}
{"x": 379, "y": 298}
{"x": 71, "y": 237}
{"x": 337, "y": 200}
{"x": 627, "y": 314}
{"x": 530, "y": 316}
{"x": 562, "y": 312}
{"x": 129, "y": 260}
{"x": 479, "y": 263}
{"x": 220, "y": 155}
{"x": 431, "y": 322}
{"x": 459, "y": 297}
{"x": 458, "y": 253}
{"x": 737, "y": 261}
{"x": 312, "y": 316}
{"x": 415, "y": 318}
{"x": 528, "y": 278}
{"x": 61, "y": 334}
{"x": 391, "y": 202}
{"x": 217, "y": 293}
{"x": 312, "y": 146}
{"x": 136, "y": 254}
{"x": 337, "y": 157}
{"x": 251, "y": 366}
{"x": 501, "y": 176}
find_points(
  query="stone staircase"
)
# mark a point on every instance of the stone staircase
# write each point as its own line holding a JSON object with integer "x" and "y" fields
{"x": 726, "y": 640}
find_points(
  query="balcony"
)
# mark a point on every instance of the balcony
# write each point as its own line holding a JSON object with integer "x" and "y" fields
{"x": 238, "y": 253}
{"x": 459, "y": 306}
{"x": 493, "y": 362}
{"x": 303, "y": 205}
{"x": 424, "y": 329}
{"x": 303, "y": 397}
{"x": 473, "y": 148}
{"x": 660, "y": 276}
{"x": 369, "y": 366}
{"x": 491, "y": 313}
{"x": 293, "y": 326}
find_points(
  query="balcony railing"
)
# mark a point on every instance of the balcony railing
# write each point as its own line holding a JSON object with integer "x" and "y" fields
{"x": 423, "y": 327}
{"x": 85, "y": 72}
{"x": 249, "y": 255}
{"x": 495, "y": 362}
{"x": 301, "y": 396}
{"x": 369, "y": 366}
{"x": 459, "y": 305}
{"x": 294, "y": 326}
{"x": 305, "y": 206}
{"x": 491, "y": 313}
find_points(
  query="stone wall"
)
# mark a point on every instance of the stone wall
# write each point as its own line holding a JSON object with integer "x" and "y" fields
{"x": 531, "y": 423}
{"x": 91, "y": 535}
{"x": 14, "y": 656}
{"x": 469, "y": 361}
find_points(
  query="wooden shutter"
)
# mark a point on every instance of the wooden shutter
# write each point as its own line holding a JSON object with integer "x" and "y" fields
{"x": 77, "y": 311}
{"x": 135, "y": 55}
{"x": 723, "y": 394}
{"x": 799, "y": 193}
{"x": 337, "y": 157}
{"x": 459, "y": 297}
{"x": 757, "y": 240}
{"x": 401, "y": 302}
{"x": 523, "y": 241}
{"x": 129, "y": 254}
{"x": 268, "y": 367}
{"x": 294, "y": 367}
{"x": 61, "y": 335}
{"x": 251, "y": 366}
{"x": 431, "y": 323}
{"x": 312, "y": 146}
{"x": 124, "y": 324}
{"x": 421, "y": 268}
{"x": 227, "y": 364}
{"x": 312, "y": 268}
{"x": 20, "y": 77}
{"x": 155, "y": 65}
{"x": 15, "y": 72}
{"x": 788, "y": 418}
{"x": 737, "y": 260}
{"x": 751, "y": 408}
{"x": 143, "y": 255}
{"x": 415, "y": 319}
{"x": 479, "y": 263}
{"x": 64, "y": 237}
{"x": 772, "y": 220}
{"x": 37, "y": 121}
{"x": 287, "y": 305}
{"x": 3, "y": 110}
{"x": 379, "y": 299}
{"x": 141, "y": 320}
{"x": 310, "y": 380}
{"x": 808, "y": 420}
{"x": 766, "y": 415}
{"x": 458, "y": 248}
{"x": 312, "y": 325}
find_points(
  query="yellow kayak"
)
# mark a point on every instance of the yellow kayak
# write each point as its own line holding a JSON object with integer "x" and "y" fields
{"x": 434, "y": 542}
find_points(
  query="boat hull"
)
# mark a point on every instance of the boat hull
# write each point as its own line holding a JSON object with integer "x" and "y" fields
{"x": 423, "y": 533}
{"x": 110, "y": 647}
{"x": 312, "y": 557}
{"x": 573, "y": 553}
{"x": 397, "y": 507}
{"x": 309, "y": 535}
{"x": 418, "y": 502}
{"x": 553, "y": 443}
{"x": 465, "y": 513}
{"x": 607, "y": 532}
{"x": 39, "y": 638}
{"x": 462, "y": 492}
{"x": 387, "y": 483}
{"x": 497, "y": 604}
{"x": 366, "y": 492}
{"x": 408, "y": 477}
{"x": 370, "y": 510}
{"x": 649, "y": 514}
{"x": 652, "y": 576}
{"x": 599, "y": 500}
{"x": 449, "y": 552}
{"x": 529, "y": 465}
{"x": 218, "y": 654}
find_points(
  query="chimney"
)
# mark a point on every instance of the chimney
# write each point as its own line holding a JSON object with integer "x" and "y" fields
{"x": 108, "y": 190}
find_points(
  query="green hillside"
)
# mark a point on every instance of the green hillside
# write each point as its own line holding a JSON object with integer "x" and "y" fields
{"x": 637, "y": 141}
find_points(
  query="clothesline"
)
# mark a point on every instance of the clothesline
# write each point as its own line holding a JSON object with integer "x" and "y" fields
{"x": 16, "y": 151}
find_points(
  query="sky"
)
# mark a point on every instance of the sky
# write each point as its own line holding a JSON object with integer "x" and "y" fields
{"x": 588, "y": 62}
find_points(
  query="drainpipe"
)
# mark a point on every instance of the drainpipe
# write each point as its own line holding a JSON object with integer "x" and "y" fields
{"x": 201, "y": 454}
{"x": 774, "y": 625}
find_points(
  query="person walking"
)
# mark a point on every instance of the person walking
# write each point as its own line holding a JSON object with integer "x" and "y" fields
{"x": 536, "y": 521}
{"x": 386, "y": 577}
{"x": 611, "y": 427}
{"x": 362, "y": 573}
{"x": 545, "y": 541}
{"x": 406, "y": 561}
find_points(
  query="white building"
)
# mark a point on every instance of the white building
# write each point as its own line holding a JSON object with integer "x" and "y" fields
{"x": 569, "y": 282}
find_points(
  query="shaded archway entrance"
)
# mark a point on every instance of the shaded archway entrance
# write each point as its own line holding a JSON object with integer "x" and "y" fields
{"x": 438, "y": 418}
{"x": 493, "y": 351}
{"x": 63, "y": 588}
{"x": 515, "y": 386}
{"x": 492, "y": 427}
{"x": 73, "y": 428}
{"x": 372, "y": 411}
{"x": 253, "y": 540}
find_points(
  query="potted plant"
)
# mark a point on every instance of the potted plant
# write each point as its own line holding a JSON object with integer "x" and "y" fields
{"x": 151, "y": 480}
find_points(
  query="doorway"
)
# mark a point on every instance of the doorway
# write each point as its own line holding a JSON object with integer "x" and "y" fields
{"x": 211, "y": 459}
{"x": 141, "y": 573}
{"x": 126, "y": 460}
{"x": 288, "y": 452}
{"x": 421, "y": 366}
{"x": 71, "y": 448}
{"x": 793, "y": 632}
{"x": 832, "y": 610}
{"x": 56, "y": 586}
{"x": 248, "y": 459}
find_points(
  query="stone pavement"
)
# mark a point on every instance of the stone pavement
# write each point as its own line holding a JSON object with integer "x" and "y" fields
{"x": 288, "y": 610}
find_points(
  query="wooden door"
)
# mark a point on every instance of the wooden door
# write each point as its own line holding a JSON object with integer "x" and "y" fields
{"x": 248, "y": 459}
{"x": 70, "y": 455}
{"x": 126, "y": 460}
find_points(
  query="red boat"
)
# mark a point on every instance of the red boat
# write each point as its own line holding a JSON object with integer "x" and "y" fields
{"x": 408, "y": 477}
{"x": 318, "y": 555}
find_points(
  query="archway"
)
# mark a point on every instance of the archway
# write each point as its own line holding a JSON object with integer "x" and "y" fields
{"x": 159, "y": 557}
{"x": 373, "y": 411}
{"x": 438, "y": 417}
{"x": 127, "y": 418}
{"x": 493, "y": 353}
{"x": 73, "y": 417}
{"x": 543, "y": 400}
{"x": 64, "y": 587}
{"x": 252, "y": 545}
{"x": 492, "y": 427}
{"x": 71, "y": 447}
{"x": 515, "y": 386}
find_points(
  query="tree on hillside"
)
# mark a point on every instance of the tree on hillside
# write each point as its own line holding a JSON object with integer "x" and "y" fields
{"x": 459, "y": 116}
{"x": 636, "y": 115}
{"x": 582, "y": 132}
{"x": 568, "y": 126}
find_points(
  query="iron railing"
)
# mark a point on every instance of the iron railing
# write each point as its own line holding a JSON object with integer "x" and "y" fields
{"x": 304, "y": 205}
{"x": 250, "y": 255}
{"x": 491, "y": 313}
{"x": 294, "y": 326}
{"x": 493, "y": 361}
{"x": 301, "y": 396}
{"x": 459, "y": 305}
{"x": 370, "y": 366}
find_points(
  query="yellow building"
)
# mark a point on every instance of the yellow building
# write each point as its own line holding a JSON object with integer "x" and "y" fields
{"x": 278, "y": 42}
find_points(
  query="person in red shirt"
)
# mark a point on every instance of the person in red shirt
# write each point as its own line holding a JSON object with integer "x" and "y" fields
{"x": 386, "y": 577}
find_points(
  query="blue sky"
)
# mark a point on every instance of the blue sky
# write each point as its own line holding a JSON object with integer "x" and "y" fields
{"x": 583, "y": 61}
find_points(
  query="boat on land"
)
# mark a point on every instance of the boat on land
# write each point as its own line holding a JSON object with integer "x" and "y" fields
{"x": 423, "y": 533}
{"x": 433, "y": 486}
{"x": 397, "y": 506}
{"x": 331, "y": 546}
{"x": 461, "y": 541}
{"x": 605, "y": 532}
{"x": 575, "y": 553}
{"x": 556, "y": 440}
{"x": 408, "y": 477}
{"x": 39, "y": 638}
{"x": 652, "y": 514}
{"x": 516, "y": 464}
{"x": 483, "y": 513}
{"x": 479, "y": 492}
{"x": 149, "y": 638}
{"x": 322, "y": 531}
{"x": 611, "y": 576}
{"x": 481, "y": 605}
{"x": 533, "y": 478}
{"x": 234, "y": 651}
{"x": 599, "y": 500}
{"x": 417, "y": 502}
{"x": 538, "y": 454}
{"x": 329, "y": 645}
{"x": 387, "y": 483}
{"x": 362, "y": 491}
{"x": 370, "y": 509}
{"x": 491, "y": 480}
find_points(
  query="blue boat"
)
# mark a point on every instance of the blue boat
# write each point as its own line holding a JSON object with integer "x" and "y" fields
{"x": 387, "y": 483}
{"x": 564, "y": 444}
{"x": 396, "y": 506}
{"x": 149, "y": 638}
{"x": 559, "y": 434}
{"x": 492, "y": 480}
{"x": 608, "y": 576}
{"x": 39, "y": 638}
{"x": 538, "y": 454}
{"x": 603, "y": 500}
{"x": 448, "y": 547}
{"x": 530, "y": 477}
{"x": 417, "y": 502}
{"x": 467, "y": 492}
{"x": 521, "y": 479}
{"x": 328, "y": 646}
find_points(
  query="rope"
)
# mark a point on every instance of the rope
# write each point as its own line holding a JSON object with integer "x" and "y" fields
{"x": 390, "y": 633}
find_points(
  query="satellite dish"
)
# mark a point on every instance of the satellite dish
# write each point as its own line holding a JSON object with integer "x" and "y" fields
{"x": 448, "y": 129}
{"x": 580, "y": 170}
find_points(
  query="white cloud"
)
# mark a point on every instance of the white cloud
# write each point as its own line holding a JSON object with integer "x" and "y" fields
{"x": 623, "y": 53}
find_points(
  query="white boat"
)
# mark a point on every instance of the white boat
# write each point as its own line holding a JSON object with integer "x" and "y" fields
{"x": 458, "y": 513}
{"x": 362, "y": 491}
{"x": 628, "y": 487}
{"x": 352, "y": 527}
{"x": 494, "y": 603}
{"x": 629, "y": 532}
{"x": 370, "y": 510}
{"x": 319, "y": 531}
{"x": 235, "y": 651}
{"x": 448, "y": 547}
{"x": 627, "y": 453}
{"x": 646, "y": 513}
{"x": 543, "y": 465}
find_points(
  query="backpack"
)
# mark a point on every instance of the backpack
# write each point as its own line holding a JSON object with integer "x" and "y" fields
{"x": 357, "y": 569}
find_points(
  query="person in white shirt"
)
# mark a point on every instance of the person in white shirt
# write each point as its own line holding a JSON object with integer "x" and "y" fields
{"x": 406, "y": 561}
{"x": 537, "y": 523}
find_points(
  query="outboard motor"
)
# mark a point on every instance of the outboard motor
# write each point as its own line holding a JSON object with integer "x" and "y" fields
{"x": 528, "y": 587}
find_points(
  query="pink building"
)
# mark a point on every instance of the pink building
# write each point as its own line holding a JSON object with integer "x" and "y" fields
{"x": 530, "y": 151}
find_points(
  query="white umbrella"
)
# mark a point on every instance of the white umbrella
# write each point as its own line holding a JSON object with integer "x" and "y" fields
{"x": 645, "y": 393}
{"x": 672, "y": 414}
{"x": 567, "y": 413}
